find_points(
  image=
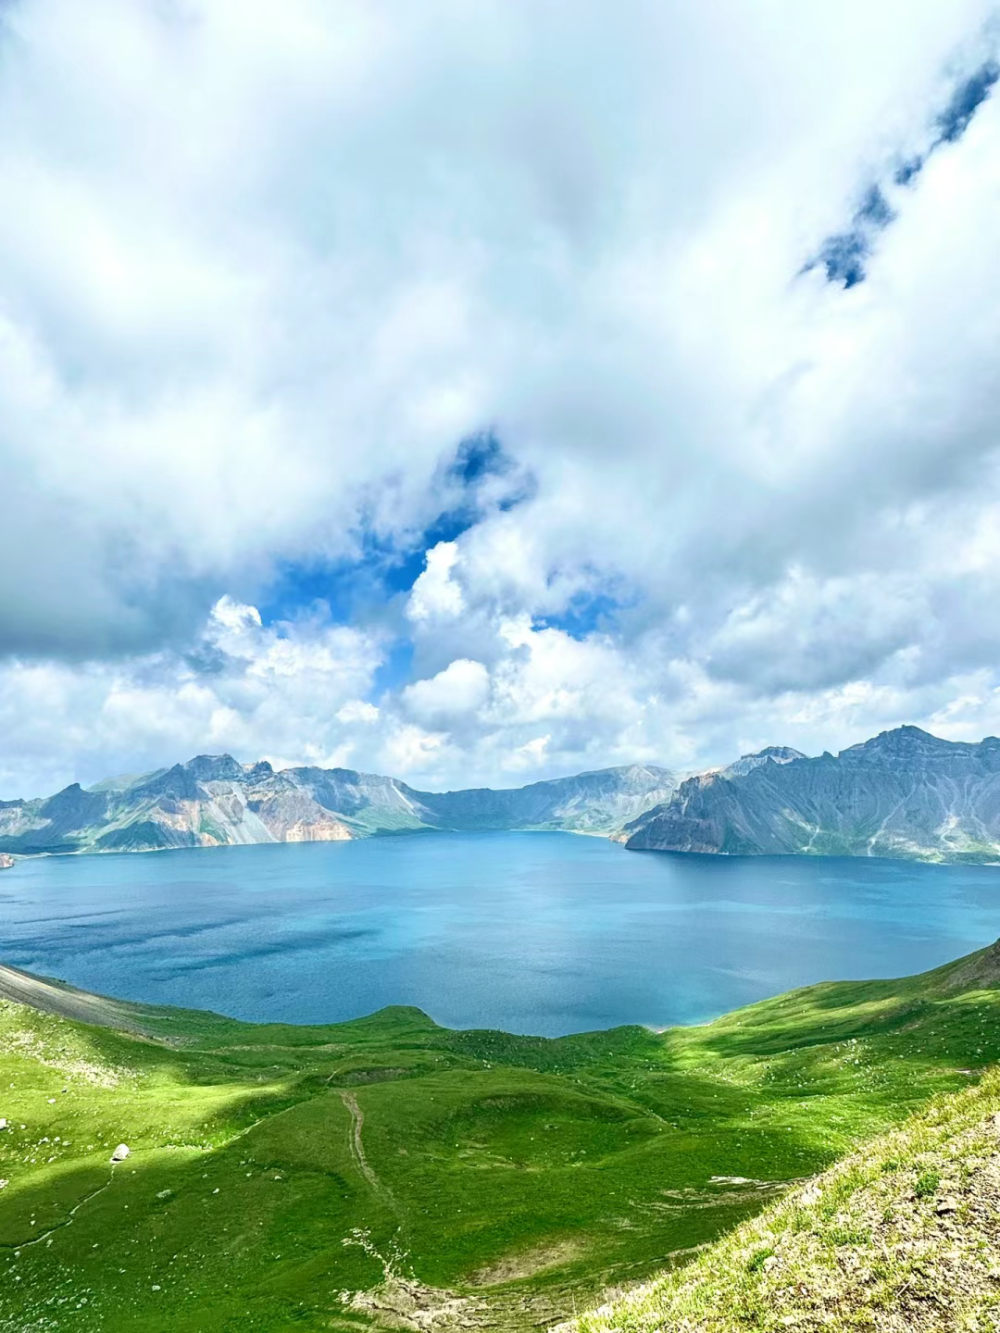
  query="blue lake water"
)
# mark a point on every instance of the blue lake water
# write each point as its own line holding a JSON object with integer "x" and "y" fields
{"x": 531, "y": 932}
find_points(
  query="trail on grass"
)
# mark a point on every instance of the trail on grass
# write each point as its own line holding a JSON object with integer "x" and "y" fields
{"x": 357, "y": 1146}
{"x": 66, "y": 1221}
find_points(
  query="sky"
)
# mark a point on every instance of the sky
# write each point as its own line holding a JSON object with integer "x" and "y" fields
{"x": 485, "y": 390}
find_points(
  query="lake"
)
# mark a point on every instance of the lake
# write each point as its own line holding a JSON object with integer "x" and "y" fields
{"x": 543, "y": 933}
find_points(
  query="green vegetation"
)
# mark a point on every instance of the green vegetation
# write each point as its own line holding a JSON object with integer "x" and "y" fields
{"x": 388, "y": 1172}
{"x": 904, "y": 1234}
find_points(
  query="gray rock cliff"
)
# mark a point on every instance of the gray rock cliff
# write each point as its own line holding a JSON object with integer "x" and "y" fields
{"x": 904, "y": 794}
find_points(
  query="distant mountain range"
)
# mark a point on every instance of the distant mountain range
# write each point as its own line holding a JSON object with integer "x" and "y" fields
{"x": 213, "y": 800}
{"x": 905, "y": 794}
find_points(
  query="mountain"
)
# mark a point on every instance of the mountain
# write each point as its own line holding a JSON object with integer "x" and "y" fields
{"x": 904, "y": 794}
{"x": 213, "y": 800}
{"x": 777, "y": 754}
{"x": 598, "y": 802}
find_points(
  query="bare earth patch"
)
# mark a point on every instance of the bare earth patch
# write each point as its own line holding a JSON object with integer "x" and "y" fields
{"x": 400, "y": 1303}
{"x": 526, "y": 1264}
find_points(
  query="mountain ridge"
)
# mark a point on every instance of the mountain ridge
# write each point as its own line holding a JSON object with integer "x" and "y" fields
{"x": 904, "y": 794}
{"x": 213, "y": 800}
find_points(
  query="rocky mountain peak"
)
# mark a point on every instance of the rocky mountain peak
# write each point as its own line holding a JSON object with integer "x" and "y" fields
{"x": 906, "y": 743}
{"x": 904, "y": 793}
{"x": 178, "y": 783}
{"x": 771, "y": 754}
{"x": 214, "y": 768}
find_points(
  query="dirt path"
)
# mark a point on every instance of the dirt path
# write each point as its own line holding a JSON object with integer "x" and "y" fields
{"x": 357, "y": 1146}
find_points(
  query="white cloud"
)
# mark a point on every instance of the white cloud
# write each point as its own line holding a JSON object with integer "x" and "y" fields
{"x": 357, "y": 710}
{"x": 436, "y": 595}
{"x": 462, "y": 687}
{"x": 261, "y": 269}
{"x": 271, "y": 693}
{"x": 551, "y": 704}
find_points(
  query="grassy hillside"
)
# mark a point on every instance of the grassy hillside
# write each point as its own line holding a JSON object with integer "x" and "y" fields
{"x": 388, "y": 1172}
{"x": 904, "y": 1234}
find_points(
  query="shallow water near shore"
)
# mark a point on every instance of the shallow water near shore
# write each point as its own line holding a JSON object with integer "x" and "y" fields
{"x": 543, "y": 933}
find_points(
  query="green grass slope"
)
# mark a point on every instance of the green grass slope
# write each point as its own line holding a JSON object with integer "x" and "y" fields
{"x": 391, "y": 1173}
{"x": 902, "y": 1235}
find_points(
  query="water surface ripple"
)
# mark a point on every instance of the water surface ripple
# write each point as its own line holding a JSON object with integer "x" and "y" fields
{"x": 542, "y": 933}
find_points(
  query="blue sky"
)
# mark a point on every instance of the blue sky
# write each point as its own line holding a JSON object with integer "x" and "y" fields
{"x": 484, "y": 392}
{"x": 383, "y": 567}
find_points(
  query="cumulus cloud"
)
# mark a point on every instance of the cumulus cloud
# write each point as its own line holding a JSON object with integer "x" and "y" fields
{"x": 263, "y": 270}
{"x": 461, "y": 688}
{"x": 436, "y": 595}
{"x": 288, "y": 693}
